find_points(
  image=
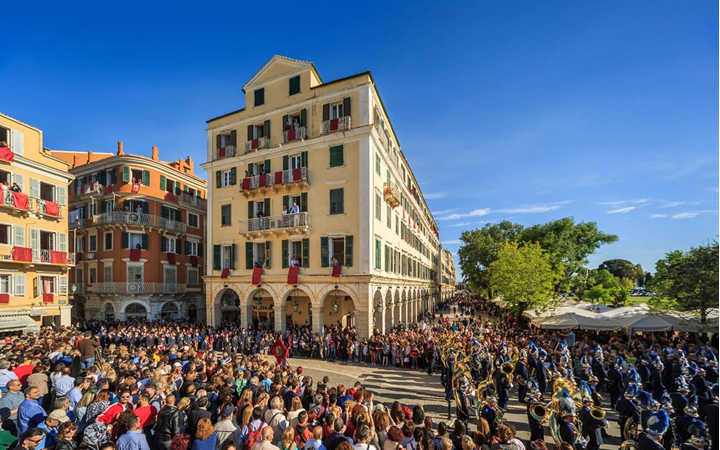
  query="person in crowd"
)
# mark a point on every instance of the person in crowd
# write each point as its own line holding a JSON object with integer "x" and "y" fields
{"x": 133, "y": 438}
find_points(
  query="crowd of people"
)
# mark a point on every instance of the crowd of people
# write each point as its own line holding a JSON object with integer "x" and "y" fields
{"x": 179, "y": 386}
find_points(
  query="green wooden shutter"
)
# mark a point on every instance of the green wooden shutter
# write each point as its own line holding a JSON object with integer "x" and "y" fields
{"x": 267, "y": 166}
{"x": 250, "y": 170}
{"x": 248, "y": 255}
{"x": 268, "y": 254}
{"x": 163, "y": 244}
{"x": 326, "y": 111}
{"x": 163, "y": 183}
{"x": 286, "y": 202}
{"x": 346, "y": 107}
{"x": 266, "y": 129}
{"x": 285, "y": 254}
{"x": 348, "y": 251}
{"x": 233, "y": 176}
{"x": 233, "y": 256}
{"x": 286, "y": 162}
{"x": 126, "y": 174}
{"x": 187, "y": 247}
{"x": 285, "y": 121}
{"x": 303, "y": 202}
{"x": 324, "y": 252}
{"x": 145, "y": 241}
{"x": 303, "y": 159}
{"x": 216, "y": 257}
{"x": 267, "y": 207}
{"x": 125, "y": 240}
{"x": 303, "y": 118}
{"x": 306, "y": 252}
{"x": 250, "y": 210}
{"x": 146, "y": 177}
{"x": 250, "y": 133}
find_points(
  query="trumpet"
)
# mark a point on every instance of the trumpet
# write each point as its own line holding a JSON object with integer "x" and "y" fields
{"x": 540, "y": 412}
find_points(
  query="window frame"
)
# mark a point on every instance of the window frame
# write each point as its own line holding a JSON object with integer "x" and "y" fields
{"x": 342, "y": 201}
{"x": 290, "y": 85}
{"x": 105, "y": 240}
{"x": 197, "y": 220}
{"x": 259, "y": 93}
{"x": 222, "y": 215}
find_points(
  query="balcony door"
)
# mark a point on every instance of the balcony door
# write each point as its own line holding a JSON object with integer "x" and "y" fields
{"x": 135, "y": 278}
{"x": 170, "y": 278}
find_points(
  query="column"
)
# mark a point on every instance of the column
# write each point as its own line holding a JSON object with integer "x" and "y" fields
{"x": 317, "y": 318}
{"x": 279, "y": 317}
{"x": 209, "y": 307}
{"x": 245, "y": 313}
{"x": 381, "y": 326}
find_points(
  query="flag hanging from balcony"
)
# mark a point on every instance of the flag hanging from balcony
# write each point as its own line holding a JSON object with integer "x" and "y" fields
{"x": 48, "y": 298}
{"x": 246, "y": 184}
{"x": 22, "y": 254}
{"x": 4, "y": 298}
{"x": 222, "y": 152}
{"x": 293, "y": 275}
{"x": 334, "y": 124}
{"x": 135, "y": 254}
{"x": 225, "y": 273}
{"x": 261, "y": 181}
{"x": 193, "y": 261}
{"x": 109, "y": 188}
{"x": 337, "y": 270}
{"x": 52, "y": 208}
{"x": 170, "y": 197}
{"x": 20, "y": 200}
{"x": 254, "y": 144}
{"x": 171, "y": 258}
{"x": 257, "y": 274}
{"x": 7, "y": 154}
{"x": 278, "y": 178}
{"x": 297, "y": 174}
{"x": 58, "y": 257}
{"x": 136, "y": 187}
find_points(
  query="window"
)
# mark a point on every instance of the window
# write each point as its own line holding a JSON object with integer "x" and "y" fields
{"x": 388, "y": 214}
{"x": 5, "y": 177}
{"x": 378, "y": 169}
{"x": 5, "y": 234}
{"x": 192, "y": 248}
{"x": 79, "y": 279}
{"x": 378, "y": 253}
{"x": 259, "y": 96}
{"x": 92, "y": 273}
{"x": 337, "y": 250}
{"x": 47, "y": 285}
{"x": 169, "y": 245}
{"x": 5, "y": 283}
{"x": 336, "y": 201}
{"x": 135, "y": 240}
{"x": 294, "y": 85}
{"x": 227, "y": 254}
{"x": 336, "y": 156}
{"x": 170, "y": 275}
{"x": 108, "y": 241}
{"x": 193, "y": 220}
{"x": 170, "y": 213}
{"x": 135, "y": 273}
{"x": 107, "y": 274}
{"x": 259, "y": 254}
{"x": 93, "y": 243}
{"x": 225, "y": 215}
{"x": 378, "y": 207}
{"x": 193, "y": 276}
{"x": 337, "y": 110}
{"x": 225, "y": 178}
{"x": 295, "y": 161}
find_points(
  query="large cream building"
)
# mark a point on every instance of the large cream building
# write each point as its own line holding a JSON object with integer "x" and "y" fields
{"x": 34, "y": 257}
{"x": 315, "y": 217}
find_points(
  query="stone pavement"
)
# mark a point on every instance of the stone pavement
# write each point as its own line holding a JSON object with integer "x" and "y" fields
{"x": 412, "y": 387}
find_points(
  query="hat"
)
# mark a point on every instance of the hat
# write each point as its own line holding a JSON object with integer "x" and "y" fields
{"x": 60, "y": 415}
{"x": 299, "y": 370}
{"x": 657, "y": 422}
{"x": 177, "y": 364}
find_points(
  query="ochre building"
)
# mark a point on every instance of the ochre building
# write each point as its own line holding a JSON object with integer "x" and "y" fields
{"x": 34, "y": 257}
{"x": 447, "y": 274}
{"x": 137, "y": 226}
{"x": 315, "y": 216}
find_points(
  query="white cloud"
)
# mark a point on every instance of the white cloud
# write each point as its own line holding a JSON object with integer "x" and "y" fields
{"x": 528, "y": 209}
{"x": 658, "y": 216}
{"x": 691, "y": 214}
{"x": 474, "y": 213}
{"x": 451, "y": 242}
{"x": 671, "y": 204}
{"x": 435, "y": 195}
{"x": 624, "y": 210}
{"x": 618, "y": 203}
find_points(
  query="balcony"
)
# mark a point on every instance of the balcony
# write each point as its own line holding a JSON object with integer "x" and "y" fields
{"x": 91, "y": 189}
{"x": 391, "y": 194}
{"x": 282, "y": 179}
{"x": 46, "y": 208}
{"x": 14, "y": 201}
{"x": 256, "y": 144}
{"x": 119, "y": 287}
{"x": 333, "y": 125}
{"x": 139, "y": 219}
{"x": 294, "y": 134}
{"x": 289, "y": 224}
{"x": 26, "y": 255}
{"x": 193, "y": 201}
{"x": 226, "y": 152}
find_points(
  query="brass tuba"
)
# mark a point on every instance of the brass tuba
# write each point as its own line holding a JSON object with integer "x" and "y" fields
{"x": 507, "y": 368}
{"x": 540, "y": 412}
{"x": 629, "y": 445}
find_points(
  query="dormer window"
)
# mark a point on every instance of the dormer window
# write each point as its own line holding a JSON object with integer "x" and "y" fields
{"x": 259, "y": 96}
{"x": 294, "y": 85}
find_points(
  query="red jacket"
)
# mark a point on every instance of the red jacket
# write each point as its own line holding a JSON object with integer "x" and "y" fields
{"x": 112, "y": 412}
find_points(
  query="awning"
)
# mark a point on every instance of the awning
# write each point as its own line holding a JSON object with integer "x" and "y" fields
{"x": 17, "y": 321}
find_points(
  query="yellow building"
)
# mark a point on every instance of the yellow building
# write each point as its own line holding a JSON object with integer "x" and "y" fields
{"x": 309, "y": 176}
{"x": 447, "y": 275}
{"x": 34, "y": 257}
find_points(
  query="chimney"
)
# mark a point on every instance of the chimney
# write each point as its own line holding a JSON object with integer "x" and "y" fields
{"x": 89, "y": 157}
{"x": 189, "y": 162}
{"x": 155, "y": 154}
{"x": 74, "y": 164}
{"x": 120, "y": 151}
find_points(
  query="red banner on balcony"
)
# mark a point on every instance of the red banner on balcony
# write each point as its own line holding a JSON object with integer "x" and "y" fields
{"x": 261, "y": 181}
{"x": 136, "y": 188}
{"x": 225, "y": 273}
{"x": 222, "y": 152}
{"x": 48, "y": 298}
{"x": 52, "y": 208}
{"x": 255, "y": 143}
{"x": 171, "y": 258}
{"x": 293, "y": 275}
{"x": 291, "y": 134}
{"x": 297, "y": 174}
{"x": 135, "y": 254}
{"x": 22, "y": 254}
{"x": 257, "y": 274}
{"x": 337, "y": 270}
{"x": 20, "y": 200}
{"x": 246, "y": 184}
{"x": 58, "y": 257}
{"x": 7, "y": 154}
{"x": 194, "y": 261}
{"x": 334, "y": 124}
{"x": 109, "y": 188}
{"x": 278, "y": 178}
{"x": 170, "y": 197}
{"x": 4, "y": 298}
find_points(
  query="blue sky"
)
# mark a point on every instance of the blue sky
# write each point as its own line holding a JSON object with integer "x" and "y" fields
{"x": 603, "y": 111}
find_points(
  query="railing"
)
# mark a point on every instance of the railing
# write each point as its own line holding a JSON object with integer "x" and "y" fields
{"x": 226, "y": 152}
{"x": 284, "y": 222}
{"x": 278, "y": 178}
{"x": 45, "y": 256}
{"x": 40, "y": 206}
{"x": 8, "y": 198}
{"x": 391, "y": 194}
{"x": 193, "y": 200}
{"x": 254, "y": 144}
{"x": 294, "y": 134}
{"x": 131, "y": 218}
{"x": 333, "y": 125}
{"x": 136, "y": 287}
{"x": 295, "y": 175}
{"x": 91, "y": 189}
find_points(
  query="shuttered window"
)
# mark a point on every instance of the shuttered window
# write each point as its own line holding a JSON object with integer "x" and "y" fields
{"x": 225, "y": 215}
{"x": 294, "y": 85}
{"x": 337, "y": 205}
{"x": 259, "y": 96}
{"x": 336, "y": 156}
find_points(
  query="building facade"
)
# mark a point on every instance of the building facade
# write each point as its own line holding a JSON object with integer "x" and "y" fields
{"x": 315, "y": 216}
{"x": 137, "y": 225}
{"x": 34, "y": 257}
{"x": 447, "y": 274}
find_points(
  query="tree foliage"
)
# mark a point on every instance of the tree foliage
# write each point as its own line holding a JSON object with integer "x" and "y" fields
{"x": 524, "y": 275}
{"x": 691, "y": 278}
{"x": 622, "y": 268}
{"x": 615, "y": 290}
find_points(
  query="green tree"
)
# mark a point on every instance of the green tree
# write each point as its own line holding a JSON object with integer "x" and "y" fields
{"x": 616, "y": 290}
{"x": 597, "y": 294}
{"x": 622, "y": 268}
{"x": 479, "y": 250}
{"x": 691, "y": 278}
{"x": 524, "y": 275}
{"x": 568, "y": 245}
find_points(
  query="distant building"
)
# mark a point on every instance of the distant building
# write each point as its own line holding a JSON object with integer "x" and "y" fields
{"x": 137, "y": 225}
{"x": 34, "y": 257}
{"x": 447, "y": 274}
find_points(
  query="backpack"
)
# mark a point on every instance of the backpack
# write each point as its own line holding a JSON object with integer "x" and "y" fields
{"x": 254, "y": 436}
